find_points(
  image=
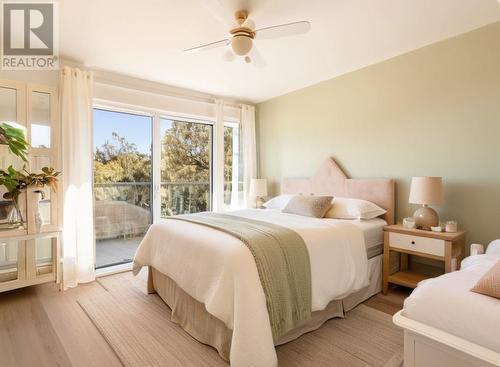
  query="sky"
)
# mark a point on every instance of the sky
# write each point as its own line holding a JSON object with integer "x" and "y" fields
{"x": 136, "y": 129}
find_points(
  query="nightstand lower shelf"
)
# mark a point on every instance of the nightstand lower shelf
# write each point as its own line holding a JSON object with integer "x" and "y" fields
{"x": 407, "y": 278}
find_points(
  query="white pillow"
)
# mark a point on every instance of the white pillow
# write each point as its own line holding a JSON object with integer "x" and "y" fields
{"x": 278, "y": 202}
{"x": 349, "y": 208}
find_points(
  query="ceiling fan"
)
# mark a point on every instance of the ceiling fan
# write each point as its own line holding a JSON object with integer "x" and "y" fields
{"x": 243, "y": 35}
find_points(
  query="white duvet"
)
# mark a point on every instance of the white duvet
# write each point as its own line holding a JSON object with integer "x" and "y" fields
{"x": 218, "y": 270}
{"x": 446, "y": 303}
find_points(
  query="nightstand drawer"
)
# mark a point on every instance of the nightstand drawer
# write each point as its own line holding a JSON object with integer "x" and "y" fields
{"x": 426, "y": 245}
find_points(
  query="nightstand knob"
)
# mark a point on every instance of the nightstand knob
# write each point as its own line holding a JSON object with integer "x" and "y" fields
{"x": 412, "y": 242}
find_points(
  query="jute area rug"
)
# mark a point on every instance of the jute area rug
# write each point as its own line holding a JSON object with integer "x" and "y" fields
{"x": 137, "y": 326}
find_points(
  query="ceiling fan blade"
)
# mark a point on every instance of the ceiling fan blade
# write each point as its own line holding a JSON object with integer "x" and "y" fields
{"x": 255, "y": 57}
{"x": 283, "y": 30}
{"x": 207, "y": 46}
{"x": 229, "y": 55}
{"x": 219, "y": 11}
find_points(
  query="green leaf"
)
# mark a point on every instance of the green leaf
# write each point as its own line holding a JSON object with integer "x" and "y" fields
{"x": 15, "y": 139}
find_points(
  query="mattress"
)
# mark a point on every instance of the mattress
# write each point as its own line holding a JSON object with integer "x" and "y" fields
{"x": 446, "y": 303}
{"x": 373, "y": 232}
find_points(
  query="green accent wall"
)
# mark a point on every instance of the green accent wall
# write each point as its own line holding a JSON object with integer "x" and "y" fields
{"x": 432, "y": 112}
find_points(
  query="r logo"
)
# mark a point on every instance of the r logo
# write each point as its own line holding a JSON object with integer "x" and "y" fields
{"x": 28, "y": 29}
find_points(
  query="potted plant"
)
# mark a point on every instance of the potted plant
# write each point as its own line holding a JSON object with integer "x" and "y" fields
{"x": 14, "y": 184}
{"x": 17, "y": 181}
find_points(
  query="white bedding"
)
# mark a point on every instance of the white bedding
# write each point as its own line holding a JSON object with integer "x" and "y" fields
{"x": 446, "y": 303}
{"x": 373, "y": 231}
{"x": 217, "y": 269}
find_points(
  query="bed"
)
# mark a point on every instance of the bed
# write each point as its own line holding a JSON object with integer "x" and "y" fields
{"x": 210, "y": 281}
{"x": 448, "y": 325}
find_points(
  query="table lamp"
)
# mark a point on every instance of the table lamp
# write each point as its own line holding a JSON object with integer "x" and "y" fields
{"x": 258, "y": 188}
{"x": 426, "y": 191}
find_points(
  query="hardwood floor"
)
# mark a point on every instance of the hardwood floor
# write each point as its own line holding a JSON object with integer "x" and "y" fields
{"x": 41, "y": 326}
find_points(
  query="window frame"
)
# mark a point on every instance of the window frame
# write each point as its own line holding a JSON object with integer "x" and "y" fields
{"x": 157, "y": 138}
{"x": 157, "y": 115}
{"x": 235, "y": 169}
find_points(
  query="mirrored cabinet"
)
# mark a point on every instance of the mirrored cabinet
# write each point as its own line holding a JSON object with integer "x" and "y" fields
{"x": 29, "y": 228}
{"x": 28, "y": 260}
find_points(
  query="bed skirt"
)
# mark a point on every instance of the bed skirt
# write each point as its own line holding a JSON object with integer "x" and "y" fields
{"x": 192, "y": 316}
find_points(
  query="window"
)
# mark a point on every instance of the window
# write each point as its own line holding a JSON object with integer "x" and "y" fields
{"x": 186, "y": 167}
{"x": 122, "y": 184}
{"x": 134, "y": 186}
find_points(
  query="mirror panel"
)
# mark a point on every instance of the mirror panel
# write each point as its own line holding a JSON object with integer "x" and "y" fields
{"x": 9, "y": 259}
{"x": 44, "y": 255}
{"x": 40, "y": 120}
{"x": 8, "y": 104}
{"x": 44, "y": 203}
{"x": 10, "y": 217}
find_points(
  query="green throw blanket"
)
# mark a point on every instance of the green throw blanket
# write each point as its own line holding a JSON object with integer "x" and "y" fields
{"x": 282, "y": 261}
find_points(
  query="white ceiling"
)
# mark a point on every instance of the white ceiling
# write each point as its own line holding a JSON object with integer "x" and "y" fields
{"x": 145, "y": 39}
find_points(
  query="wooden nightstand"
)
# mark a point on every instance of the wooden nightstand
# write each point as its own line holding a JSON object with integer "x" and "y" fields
{"x": 446, "y": 247}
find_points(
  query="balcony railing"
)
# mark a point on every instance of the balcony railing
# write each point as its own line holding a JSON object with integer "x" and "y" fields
{"x": 180, "y": 197}
{"x": 123, "y": 213}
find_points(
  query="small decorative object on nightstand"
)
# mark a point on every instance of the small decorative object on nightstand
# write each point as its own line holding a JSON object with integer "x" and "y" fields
{"x": 258, "y": 188}
{"x": 426, "y": 191}
{"x": 445, "y": 247}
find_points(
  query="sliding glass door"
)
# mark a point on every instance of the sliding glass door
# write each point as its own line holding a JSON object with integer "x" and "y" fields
{"x": 148, "y": 166}
{"x": 122, "y": 184}
{"x": 185, "y": 166}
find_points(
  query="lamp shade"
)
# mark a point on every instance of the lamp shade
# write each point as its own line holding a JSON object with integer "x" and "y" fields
{"x": 258, "y": 187}
{"x": 426, "y": 190}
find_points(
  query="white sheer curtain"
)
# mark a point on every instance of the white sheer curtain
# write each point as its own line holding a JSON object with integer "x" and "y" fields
{"x": 78, "y": 219}
{"x": 249, "y": 150}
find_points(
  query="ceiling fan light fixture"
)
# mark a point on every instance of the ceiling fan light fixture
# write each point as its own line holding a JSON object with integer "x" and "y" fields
{"x": 242, "y": 36}
{"x": 241, "y": 44}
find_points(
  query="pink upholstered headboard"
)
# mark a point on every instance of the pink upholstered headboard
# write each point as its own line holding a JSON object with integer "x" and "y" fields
{"x": 330, "y": 180}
